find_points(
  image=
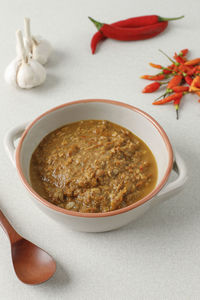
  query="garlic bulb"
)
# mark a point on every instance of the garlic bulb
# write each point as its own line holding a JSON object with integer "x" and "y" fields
{"x": 24, "y": 72}
{"x": 39, "y": 48}
{"x": 11, "y": 72}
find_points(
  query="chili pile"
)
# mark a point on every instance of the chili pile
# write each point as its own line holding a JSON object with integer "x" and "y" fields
{"x": 183, "y": 75}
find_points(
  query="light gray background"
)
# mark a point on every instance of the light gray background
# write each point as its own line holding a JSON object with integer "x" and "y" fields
{"x": 158, "y": 256}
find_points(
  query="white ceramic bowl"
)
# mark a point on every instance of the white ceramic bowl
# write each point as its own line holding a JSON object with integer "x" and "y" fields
{"x": 137, "y": 121}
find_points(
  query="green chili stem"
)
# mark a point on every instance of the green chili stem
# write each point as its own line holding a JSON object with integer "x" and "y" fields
{"x": 169, "y": 91}
{"x": 161, "y": 19}
{"x": 164, "y": 82}
{"x": 97, "y": 24}
{"x": 174, "y": 62}
{"x": 163, "y": 95}
{"x": 177, "y": 107}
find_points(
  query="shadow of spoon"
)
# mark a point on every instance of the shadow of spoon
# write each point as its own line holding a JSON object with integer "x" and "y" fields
{"x": 32, "y": 265}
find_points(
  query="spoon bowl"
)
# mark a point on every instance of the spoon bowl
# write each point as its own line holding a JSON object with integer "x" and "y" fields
{"x": 32, "y": 265}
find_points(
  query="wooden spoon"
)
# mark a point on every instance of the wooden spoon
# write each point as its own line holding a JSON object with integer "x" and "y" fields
{"x": 32, "y": 265}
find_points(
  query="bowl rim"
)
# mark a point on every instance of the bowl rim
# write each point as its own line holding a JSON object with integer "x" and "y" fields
{"x": 105, "y": 214}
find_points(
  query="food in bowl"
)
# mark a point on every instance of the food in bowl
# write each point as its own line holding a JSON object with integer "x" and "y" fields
{"x": 130, "y": 117}
{"x": 92, "y": 166}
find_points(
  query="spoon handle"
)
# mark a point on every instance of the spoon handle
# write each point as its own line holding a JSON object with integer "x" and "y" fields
{"x": 8, "y": 229}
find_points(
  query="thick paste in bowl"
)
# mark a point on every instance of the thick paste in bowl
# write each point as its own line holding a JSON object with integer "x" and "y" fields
{"x": 92, "y": 166}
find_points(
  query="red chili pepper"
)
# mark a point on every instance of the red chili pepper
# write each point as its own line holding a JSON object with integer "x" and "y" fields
{"x": 167, "y": 71}
{"x": 130, "y": 22}
{"x": 176, "y": 80}
{"x": 154, "y": 77}
{"x": 144, "y": 20}
{"x": 170, "y": 68}
{"x": 130, "y": 34}
{"x": 181, "y": 67}
{"x": 189, "y": 70}
{"x": 184, "y": 68}
{"x": 152, "y": 87}
{"x": 168, "y": 99}
{"x": 193, "y": 70}
{"x": 183, "y": 52}
{"x": 196, "y": 82}
{"x": 155, "y": 66}
{"x": 164, "y": 70}
{"x": 178, "y": 89}
{"x": 97, "y": 37}
{"x": 188, "y": 79}
{"x": 178, "y": 58}
{"x": 192, "y": 62}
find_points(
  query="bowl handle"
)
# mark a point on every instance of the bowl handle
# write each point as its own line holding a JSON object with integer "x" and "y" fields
{"x": 177, "y": 185}
{"x": 9, "y": 140}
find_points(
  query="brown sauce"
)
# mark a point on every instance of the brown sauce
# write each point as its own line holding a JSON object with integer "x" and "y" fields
{"x": 92, "y": 166}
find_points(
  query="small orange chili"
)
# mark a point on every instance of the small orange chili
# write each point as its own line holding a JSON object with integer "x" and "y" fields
{"x": 178, "y": 89}
{"x": 188, "y": 79}
{"x": 191, "y": 70}
{"x": 154, "y": 77}
{"x": 178, "y": 58}
{"x": 185, "y": 68}
{"x": 155, "y": 66}
{"x": 194, "y": 89}
{"x": 183, "y": 52}
{"x": 152, "y": 87}
{"x": 168, "y": 99}
{"x": 176, "y": 80}
{"x": 195, "y": 85}
{"x": 192, "y": 62}
{"x": 164, "y": 70}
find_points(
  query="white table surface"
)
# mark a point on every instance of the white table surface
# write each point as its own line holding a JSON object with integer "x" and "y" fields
{"x": 158, "y": 256}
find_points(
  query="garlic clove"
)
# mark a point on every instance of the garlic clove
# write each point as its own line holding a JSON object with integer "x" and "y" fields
{"x": 36, "y": 47}
{"x": 41, "y": 50}
{"x": 28, "y": 43}
{"x": 31, "y": 74}
{"x": 11, "y": 72}
{"x": 18, "y": 51}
